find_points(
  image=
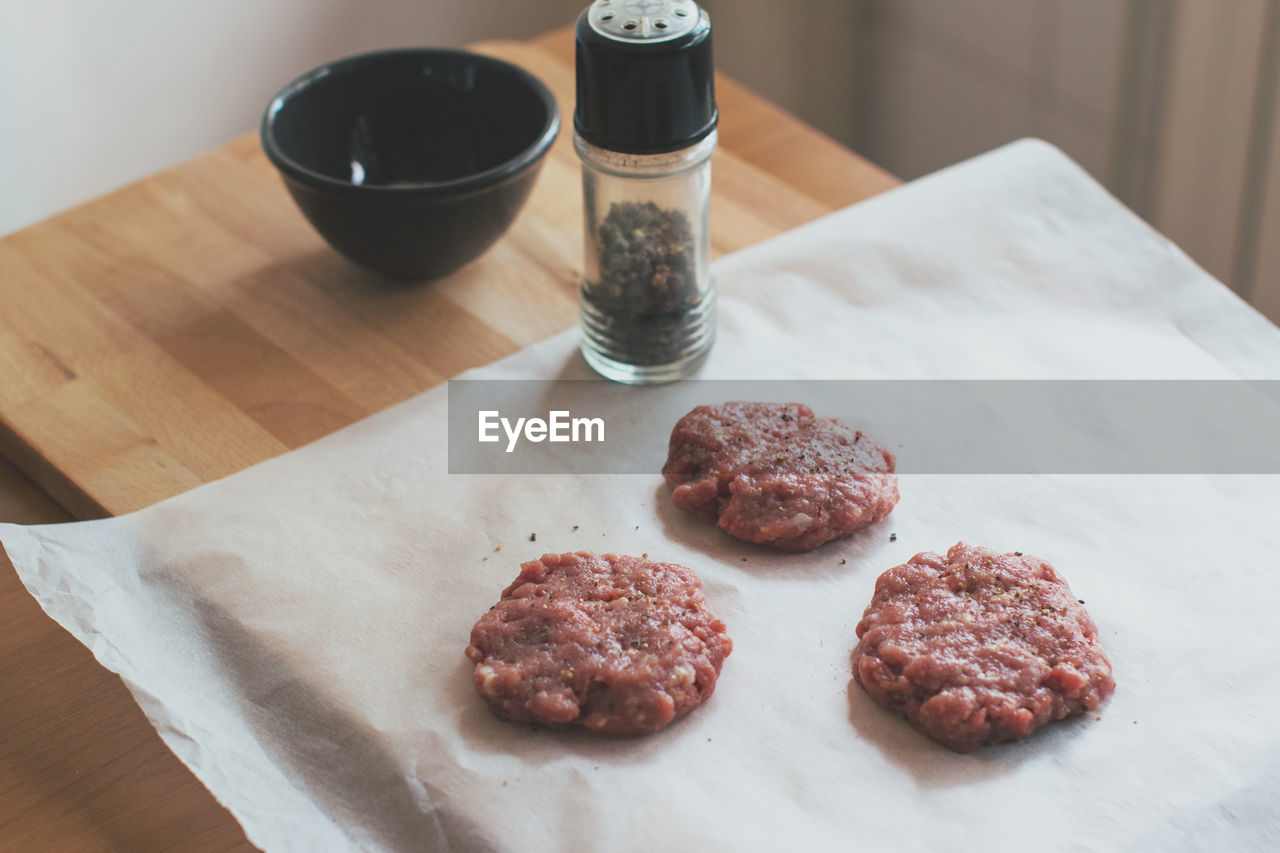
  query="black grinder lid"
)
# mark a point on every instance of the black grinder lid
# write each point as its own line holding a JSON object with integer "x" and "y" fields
{"x": 645, "y": 75}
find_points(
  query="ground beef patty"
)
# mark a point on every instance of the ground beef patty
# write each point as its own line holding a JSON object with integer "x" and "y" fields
{"x": 774, "y": 474}
{"x": 978, "y": 647}
{"x": 617, "y": 644}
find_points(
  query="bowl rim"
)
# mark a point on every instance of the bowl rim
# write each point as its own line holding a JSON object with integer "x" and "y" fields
{"x": 508, "y": 168}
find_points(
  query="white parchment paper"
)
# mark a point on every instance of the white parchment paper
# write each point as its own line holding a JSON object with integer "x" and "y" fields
{"x": 295, "y": 632}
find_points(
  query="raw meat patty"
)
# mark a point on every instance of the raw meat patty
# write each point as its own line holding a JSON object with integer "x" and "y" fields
{"x": 774, "y": 474}
{"x": 978, "y": 647}
{"x": 616, "y": 644}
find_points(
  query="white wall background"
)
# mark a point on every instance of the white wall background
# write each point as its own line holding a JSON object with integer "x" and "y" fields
{"x": 1170, "y": 103}
{"x": 95, "y": 94}
{"x": 919, "y": 84}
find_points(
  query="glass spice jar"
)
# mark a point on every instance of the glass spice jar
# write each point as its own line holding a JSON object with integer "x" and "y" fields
{"x": 644, "y": 129}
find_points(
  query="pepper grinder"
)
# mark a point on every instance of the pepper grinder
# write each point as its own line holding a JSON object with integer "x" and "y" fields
{"x": 645, "y": 128}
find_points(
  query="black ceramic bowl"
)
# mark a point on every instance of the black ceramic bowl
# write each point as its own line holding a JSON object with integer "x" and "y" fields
{"x": 411, "y": 162}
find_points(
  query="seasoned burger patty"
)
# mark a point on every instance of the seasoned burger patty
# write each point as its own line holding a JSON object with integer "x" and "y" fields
{"x": 617, "y": 644}
{"x": 773, "y": 473}
{"x": 977, "y": 647}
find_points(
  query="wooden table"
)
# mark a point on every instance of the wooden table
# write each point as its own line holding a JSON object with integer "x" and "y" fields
{"x": 192, "y": 324}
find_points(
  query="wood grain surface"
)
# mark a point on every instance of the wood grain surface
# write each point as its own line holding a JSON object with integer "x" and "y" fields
{"x": 192, "y": 324}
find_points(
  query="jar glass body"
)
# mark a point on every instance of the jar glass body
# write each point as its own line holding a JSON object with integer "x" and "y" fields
{"x": 647, "y": 299}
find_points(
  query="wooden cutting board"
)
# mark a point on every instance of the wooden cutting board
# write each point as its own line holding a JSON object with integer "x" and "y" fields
{"x": 192, "y": 324}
